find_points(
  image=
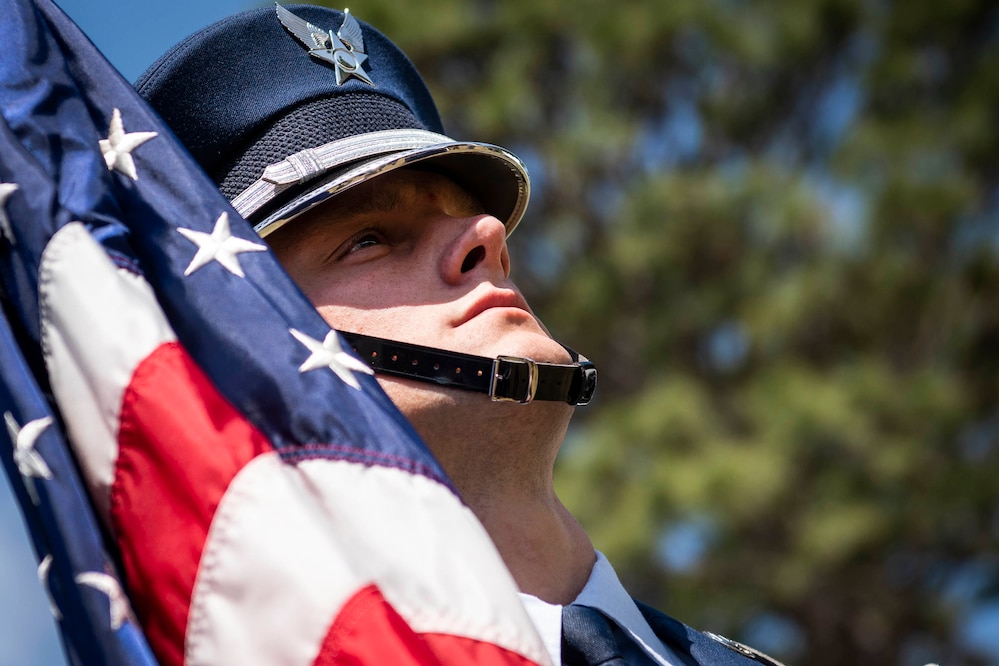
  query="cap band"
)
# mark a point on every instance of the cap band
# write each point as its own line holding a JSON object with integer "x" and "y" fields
{"x": 311, "y": 162}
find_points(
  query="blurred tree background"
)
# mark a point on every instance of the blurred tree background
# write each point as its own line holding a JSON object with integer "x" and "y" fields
{"x": 774, "y": 226}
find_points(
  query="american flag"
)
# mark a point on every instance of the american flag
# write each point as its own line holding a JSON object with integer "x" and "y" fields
{"x": 206, "y": 475}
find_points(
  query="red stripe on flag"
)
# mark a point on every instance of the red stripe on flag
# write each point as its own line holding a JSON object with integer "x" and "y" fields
{"x": 181, "y": 444}
{"x": 367, "y": 630}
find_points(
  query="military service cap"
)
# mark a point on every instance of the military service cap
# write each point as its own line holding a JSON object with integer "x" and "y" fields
{"x": 285, "y": 107}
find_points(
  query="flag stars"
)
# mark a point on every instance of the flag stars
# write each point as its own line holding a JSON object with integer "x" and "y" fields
{"x": 43, "y": 577}
{"x": 6, "y": 189}
{"x": 118, "y": 147}
{"x": 102, "y": 582}
{"x": 329, "y": 354}
{"x": 28, "y": 461}
{"x": 220, "y": 246}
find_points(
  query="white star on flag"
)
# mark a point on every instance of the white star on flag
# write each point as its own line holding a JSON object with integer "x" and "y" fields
{"x": 43, "y": 578}
{"x": 6, "y": 189}
{"x": 220, "y": 246}
{"x": 118, "y": 147}
{"x": 28, "y": 462}
{"x": 102, "y": 582}
{"x": 329, "y": 354}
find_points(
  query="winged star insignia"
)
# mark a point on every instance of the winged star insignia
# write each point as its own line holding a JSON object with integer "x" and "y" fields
{"x": 344, "y": 50}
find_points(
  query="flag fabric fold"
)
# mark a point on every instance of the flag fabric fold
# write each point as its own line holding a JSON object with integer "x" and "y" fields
{"x": 206, "y": 475}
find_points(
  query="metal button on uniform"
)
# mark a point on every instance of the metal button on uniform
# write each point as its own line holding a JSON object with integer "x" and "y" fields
{"x": 744, "y": 650}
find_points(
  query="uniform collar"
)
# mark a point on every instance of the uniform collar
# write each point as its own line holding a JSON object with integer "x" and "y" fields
{"x": 604, "y": 592}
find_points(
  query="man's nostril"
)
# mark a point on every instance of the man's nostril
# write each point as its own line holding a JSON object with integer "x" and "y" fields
{"x": 473, "y": 258}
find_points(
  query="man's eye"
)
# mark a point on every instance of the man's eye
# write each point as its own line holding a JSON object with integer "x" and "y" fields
{"x": 367, "y": 240}
{"x": 362, "y": 241}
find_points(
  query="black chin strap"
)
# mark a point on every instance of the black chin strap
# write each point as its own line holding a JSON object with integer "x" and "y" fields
{"x": 506, "y": 378}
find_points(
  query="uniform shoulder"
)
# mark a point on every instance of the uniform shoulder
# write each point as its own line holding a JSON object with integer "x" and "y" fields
{"x": 704, "y": 647}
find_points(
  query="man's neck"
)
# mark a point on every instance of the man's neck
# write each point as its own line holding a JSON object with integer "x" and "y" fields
{"x": 501, "y": 459}
{"x": 543, "y": 546}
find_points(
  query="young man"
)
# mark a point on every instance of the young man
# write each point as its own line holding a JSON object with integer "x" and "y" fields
{"x": 322, "y": 134}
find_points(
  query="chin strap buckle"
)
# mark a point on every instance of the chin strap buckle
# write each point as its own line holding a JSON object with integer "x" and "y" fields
{"x": 587, "y": 383}
{"x": 513, "y": 379}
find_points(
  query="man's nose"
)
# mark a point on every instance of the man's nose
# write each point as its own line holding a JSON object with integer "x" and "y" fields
{"x": 479, "y": 246}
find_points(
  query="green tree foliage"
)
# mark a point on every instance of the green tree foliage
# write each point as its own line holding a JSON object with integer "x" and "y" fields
{"x": 774, "y": 227}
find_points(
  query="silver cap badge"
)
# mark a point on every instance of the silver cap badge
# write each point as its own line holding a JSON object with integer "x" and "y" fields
{"x": 344, "y": 50}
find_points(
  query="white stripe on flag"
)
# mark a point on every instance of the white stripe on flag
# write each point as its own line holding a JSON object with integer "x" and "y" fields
{"x": 290, "y": 544}
{"x": 98, "y": 323}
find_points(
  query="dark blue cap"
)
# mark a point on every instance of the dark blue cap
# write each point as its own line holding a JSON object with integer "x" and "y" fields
{"x": 289, "y": 106}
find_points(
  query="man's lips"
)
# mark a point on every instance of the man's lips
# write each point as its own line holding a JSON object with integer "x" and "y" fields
{"x": 494, "y": 298}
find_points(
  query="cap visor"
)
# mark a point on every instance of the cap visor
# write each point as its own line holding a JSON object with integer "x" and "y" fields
{"x": 495, "y": 176}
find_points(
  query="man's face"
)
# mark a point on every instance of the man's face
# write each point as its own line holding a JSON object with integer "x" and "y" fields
{"x": 409, "y": 256}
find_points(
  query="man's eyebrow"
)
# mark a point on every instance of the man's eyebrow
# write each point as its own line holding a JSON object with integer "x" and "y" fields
{"x": 396, "y": 198}
{"x": 378, "y": 201}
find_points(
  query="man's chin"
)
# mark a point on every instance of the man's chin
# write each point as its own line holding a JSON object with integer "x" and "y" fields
{"x": 507, "y": 332}
{"x": 535, "y": 346}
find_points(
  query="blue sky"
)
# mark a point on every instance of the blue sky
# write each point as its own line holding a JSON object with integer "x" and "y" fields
{"x": 132, "y": 35}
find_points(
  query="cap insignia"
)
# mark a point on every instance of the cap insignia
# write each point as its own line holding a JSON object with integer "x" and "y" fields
{"x": 344, "y": 50}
